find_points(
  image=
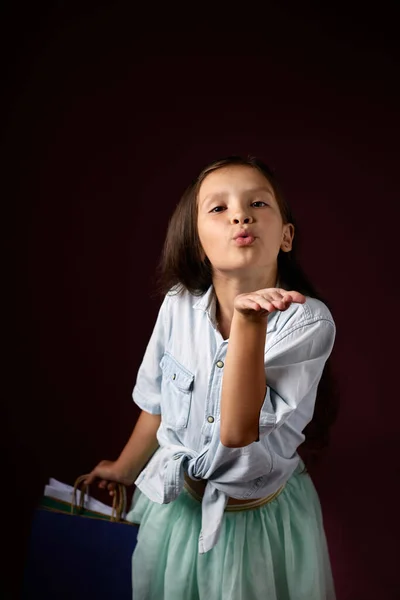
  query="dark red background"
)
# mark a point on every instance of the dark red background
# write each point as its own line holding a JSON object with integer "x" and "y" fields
{"x": 109, "y": 116}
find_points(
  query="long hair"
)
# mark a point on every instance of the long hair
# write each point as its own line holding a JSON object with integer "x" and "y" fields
{"x": 182, "y": 267}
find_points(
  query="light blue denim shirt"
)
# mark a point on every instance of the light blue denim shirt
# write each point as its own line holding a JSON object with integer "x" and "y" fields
{"x": 180, "y": 378}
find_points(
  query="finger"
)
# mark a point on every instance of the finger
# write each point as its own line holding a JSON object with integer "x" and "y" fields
{"x": 279, "y": 300}
{"x": 253, "y": 305}
{"x": 111, "y": 488}
{"x": 273, "y": 300}
{"x": 265, "y": 304}
{"x": 248, "y": 303}
{"x": 103, "y": 483}
{"x": 280, "y": 304}
{"x": 296, "y": 296}
{"x": 89, "y": 479}
{"x": 275, "y": 294}
{"x": 270, "y": 301}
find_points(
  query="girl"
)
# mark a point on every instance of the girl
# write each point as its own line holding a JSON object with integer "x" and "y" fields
{"x": 227, "y": 385}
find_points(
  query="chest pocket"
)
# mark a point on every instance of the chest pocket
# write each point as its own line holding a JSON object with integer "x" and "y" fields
{"x": 176, "y": 392}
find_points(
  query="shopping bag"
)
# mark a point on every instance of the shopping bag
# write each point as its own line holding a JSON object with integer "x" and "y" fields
{"x": 67, "y": 498}
{"x": 77, "y": 552}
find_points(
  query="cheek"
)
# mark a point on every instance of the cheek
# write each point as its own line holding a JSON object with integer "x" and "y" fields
{"x": 207, "y": 235}
{"x": 200, "y": 233}
{"x": 208, "y": 245}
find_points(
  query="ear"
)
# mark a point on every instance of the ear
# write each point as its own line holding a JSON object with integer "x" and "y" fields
{"x": 287, "y": 237}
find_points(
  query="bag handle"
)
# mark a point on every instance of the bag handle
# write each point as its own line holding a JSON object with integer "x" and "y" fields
{"x": 119, "y": 498}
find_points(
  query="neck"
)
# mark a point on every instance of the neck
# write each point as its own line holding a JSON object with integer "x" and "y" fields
{"x": 227, "y": 288}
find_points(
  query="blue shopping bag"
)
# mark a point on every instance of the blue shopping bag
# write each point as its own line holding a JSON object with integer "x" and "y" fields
{"x": 78, "y": 554}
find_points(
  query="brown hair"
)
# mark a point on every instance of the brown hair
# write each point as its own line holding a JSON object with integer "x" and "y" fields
{"x": 182, "y": 267}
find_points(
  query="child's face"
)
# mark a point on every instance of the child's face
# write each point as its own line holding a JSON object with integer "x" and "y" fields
{"x": 236, "y": 198}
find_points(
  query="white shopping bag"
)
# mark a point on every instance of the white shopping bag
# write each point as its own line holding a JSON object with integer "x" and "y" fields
{"x": 61, "y": 491}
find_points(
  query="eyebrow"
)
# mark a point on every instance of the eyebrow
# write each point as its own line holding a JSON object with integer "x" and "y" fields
{"x": 250, "y": 191}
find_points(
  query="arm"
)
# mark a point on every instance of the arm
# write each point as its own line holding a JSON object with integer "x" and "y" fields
{"x": 141, "y": 445}
{"x": 137, "y": 451}
{"x": 244, "y": 382}
{"x": 291, "y": 367}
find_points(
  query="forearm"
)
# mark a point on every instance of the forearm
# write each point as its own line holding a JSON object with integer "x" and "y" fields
{"x": 244, "y": 381}
{"x": 141, "y": 445}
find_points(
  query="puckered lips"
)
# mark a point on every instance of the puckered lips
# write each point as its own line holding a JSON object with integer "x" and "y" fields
{"x": 244, "y": 237}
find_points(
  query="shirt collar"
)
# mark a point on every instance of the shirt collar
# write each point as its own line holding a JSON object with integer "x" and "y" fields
{"x": 207, "y": 303}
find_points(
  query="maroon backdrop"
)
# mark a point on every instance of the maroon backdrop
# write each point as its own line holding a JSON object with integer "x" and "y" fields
{"x": 107, "y": 123}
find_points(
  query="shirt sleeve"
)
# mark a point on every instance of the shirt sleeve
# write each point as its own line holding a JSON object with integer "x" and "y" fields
{"x": 293, "y": 366}
{"x": 147, "y": 390}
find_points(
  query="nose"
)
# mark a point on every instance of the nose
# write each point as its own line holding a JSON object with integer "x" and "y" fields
{"x": 241, "y": 218}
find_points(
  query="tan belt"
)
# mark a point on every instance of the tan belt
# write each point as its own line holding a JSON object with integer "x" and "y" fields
{"x": 236, "y": 507}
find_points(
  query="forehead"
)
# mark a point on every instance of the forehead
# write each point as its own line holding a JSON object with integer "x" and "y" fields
{"x": 234, "y": 179}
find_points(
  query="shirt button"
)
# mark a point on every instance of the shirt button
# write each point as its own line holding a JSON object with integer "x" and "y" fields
{"x": 210, "y": 419}
{"x": 220, "y": 364}
{"x": 174, "y": 376}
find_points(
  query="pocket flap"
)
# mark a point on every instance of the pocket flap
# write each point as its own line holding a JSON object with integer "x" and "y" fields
{"x": 176, "y": 373}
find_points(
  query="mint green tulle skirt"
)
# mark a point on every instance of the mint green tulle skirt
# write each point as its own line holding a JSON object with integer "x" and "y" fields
{"x": 277, "y": 551}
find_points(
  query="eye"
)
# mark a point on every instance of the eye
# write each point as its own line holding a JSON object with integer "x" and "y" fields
{"x": 259, "y": 202}
{"x": 217, "y": 209}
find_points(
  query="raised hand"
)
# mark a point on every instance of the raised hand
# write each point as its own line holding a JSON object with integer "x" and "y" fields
{"x": 259, "y": 304}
